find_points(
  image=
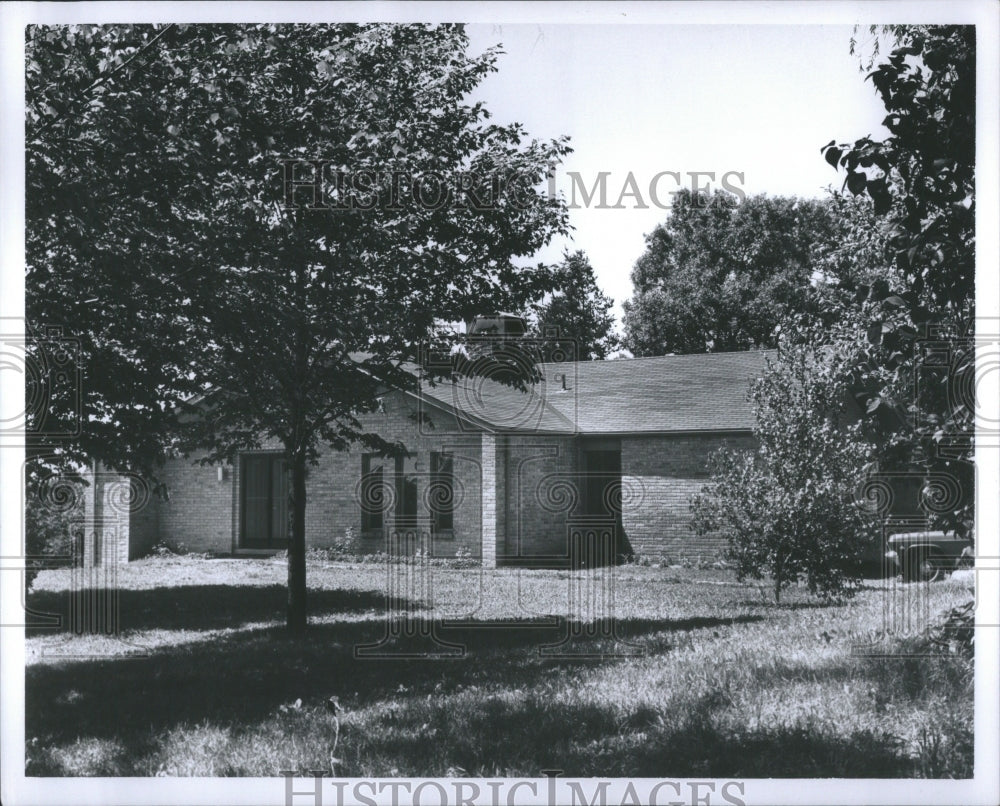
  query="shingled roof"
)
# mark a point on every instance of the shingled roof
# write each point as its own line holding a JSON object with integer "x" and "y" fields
{"x": 666, "y": 394}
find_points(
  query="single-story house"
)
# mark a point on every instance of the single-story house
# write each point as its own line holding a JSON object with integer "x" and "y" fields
{"x": 598, "y": 458}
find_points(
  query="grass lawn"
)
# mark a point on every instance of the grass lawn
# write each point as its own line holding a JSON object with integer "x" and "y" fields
{"x": 705, "y": 677}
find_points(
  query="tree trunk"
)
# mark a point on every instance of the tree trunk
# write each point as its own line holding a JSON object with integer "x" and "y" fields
{"x": 297, "y": 547}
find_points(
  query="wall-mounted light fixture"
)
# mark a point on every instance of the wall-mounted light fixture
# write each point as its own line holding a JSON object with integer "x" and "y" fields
{"x": 222, "y": 472}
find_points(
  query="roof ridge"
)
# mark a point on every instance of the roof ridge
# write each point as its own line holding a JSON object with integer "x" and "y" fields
{"x": 661, "y": 357}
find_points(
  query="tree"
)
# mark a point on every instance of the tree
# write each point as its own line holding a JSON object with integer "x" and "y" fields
{"x": 342, "y": 200}
{"x": 576, "y": 319}
{"x": 856, "y": 255}
{"x": 107, "y": 248}
{"x": 921, "y": 181}
{"x": 719, "y": 275}
{"x": 789, "y": 508}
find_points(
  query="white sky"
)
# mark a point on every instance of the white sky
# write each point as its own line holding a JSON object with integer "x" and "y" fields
{"x": 757, "y": 99}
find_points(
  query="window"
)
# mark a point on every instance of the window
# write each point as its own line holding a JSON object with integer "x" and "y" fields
{"x": 406, "y": 497}
{"x": 442, "y": 492}
{"x": 372, "y": 493}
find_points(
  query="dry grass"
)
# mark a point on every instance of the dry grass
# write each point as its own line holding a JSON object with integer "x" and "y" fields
{"x": 704, "y": 677}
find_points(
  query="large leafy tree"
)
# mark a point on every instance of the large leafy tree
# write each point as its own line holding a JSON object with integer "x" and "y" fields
{"x": 110, "y": 254}
{"x": 576, "y": 318}
{"x": 720, "y": 275}
{"x": 921, "y": 182}
{"x": 297, "y": 304}
{"x": 110, "y": 250}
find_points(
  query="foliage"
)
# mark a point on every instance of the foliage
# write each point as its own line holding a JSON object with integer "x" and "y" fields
{"x": 53, "y": 520}
{"x": 857, "y": 255}
{"x": 921, "y": 182}
{"x": 720, "y": 275}
{"x": 341, "y": 552}
{"x": 922, "y": 175}
{"x": 109, "y": 247}
{"x": 788, "y": 509}
{"x": 287, "y": 315}
{"x": 576, "y": 320}
{"x": 177, "y": 549}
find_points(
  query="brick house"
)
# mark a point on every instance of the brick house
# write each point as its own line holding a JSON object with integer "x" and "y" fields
{"x": 598, "y": 459}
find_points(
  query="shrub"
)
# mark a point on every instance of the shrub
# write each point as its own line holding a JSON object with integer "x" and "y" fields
{"x": 53, "y": 521}
{"x": 345, "y": 552}
{"x": 789, "y": 509}
{"x": 164, "y": 549}
{"x": 168, "y": 549}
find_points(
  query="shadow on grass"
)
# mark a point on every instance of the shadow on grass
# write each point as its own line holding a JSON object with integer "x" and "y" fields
{"x": 200, "y": 607}
{"x": 241, "y": 678}
{"x": 587, "y": 739}
{"x": 787, "y": 751}
{"x": 491, "y": 635}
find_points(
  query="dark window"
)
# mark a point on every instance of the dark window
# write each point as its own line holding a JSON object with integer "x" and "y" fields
{"x": 442, "y": 492}
{"x": 264, "y": 499}
{"x": 406, "y": 497}
{"x": 372, "y": 493}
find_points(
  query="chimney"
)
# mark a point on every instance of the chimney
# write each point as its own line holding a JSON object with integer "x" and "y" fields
{"x": 488, "y": 333}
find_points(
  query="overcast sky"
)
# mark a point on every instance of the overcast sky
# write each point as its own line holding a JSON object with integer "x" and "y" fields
{"x": 758, "y": 100}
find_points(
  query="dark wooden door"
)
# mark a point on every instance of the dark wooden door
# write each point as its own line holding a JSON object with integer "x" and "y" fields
{"x": 264, "y": 502}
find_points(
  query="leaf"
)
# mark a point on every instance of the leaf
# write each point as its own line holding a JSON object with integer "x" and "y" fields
{"x": 856, "y": 182}
{"x": 879, "y": 192}
{"x": 873, "y": 404}
{"x": 832, "y": 155}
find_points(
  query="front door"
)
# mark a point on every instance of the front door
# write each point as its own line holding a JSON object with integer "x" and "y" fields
{"x": 263, "y": 501}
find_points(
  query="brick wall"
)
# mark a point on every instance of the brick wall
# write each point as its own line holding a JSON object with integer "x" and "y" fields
{"x": 198, "y": 510}
{"x": 144, "y": 519}
{"x": 203, "y": 512}
{"x": 659, "y": 475}
{"x": 532, "y": 489}
{"x": 334, "y": 494}
{"x": 490, "y": 504}
{"x": 539, "y": 493}
{"x": 120, "y": 520}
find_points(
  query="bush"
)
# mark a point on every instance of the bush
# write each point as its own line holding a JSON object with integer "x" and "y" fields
{"x": 789, "y": 509}
{"x": 53, "y": 521}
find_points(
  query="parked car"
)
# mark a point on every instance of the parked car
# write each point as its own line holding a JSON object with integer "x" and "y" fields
{"x": 926, "y": 556}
